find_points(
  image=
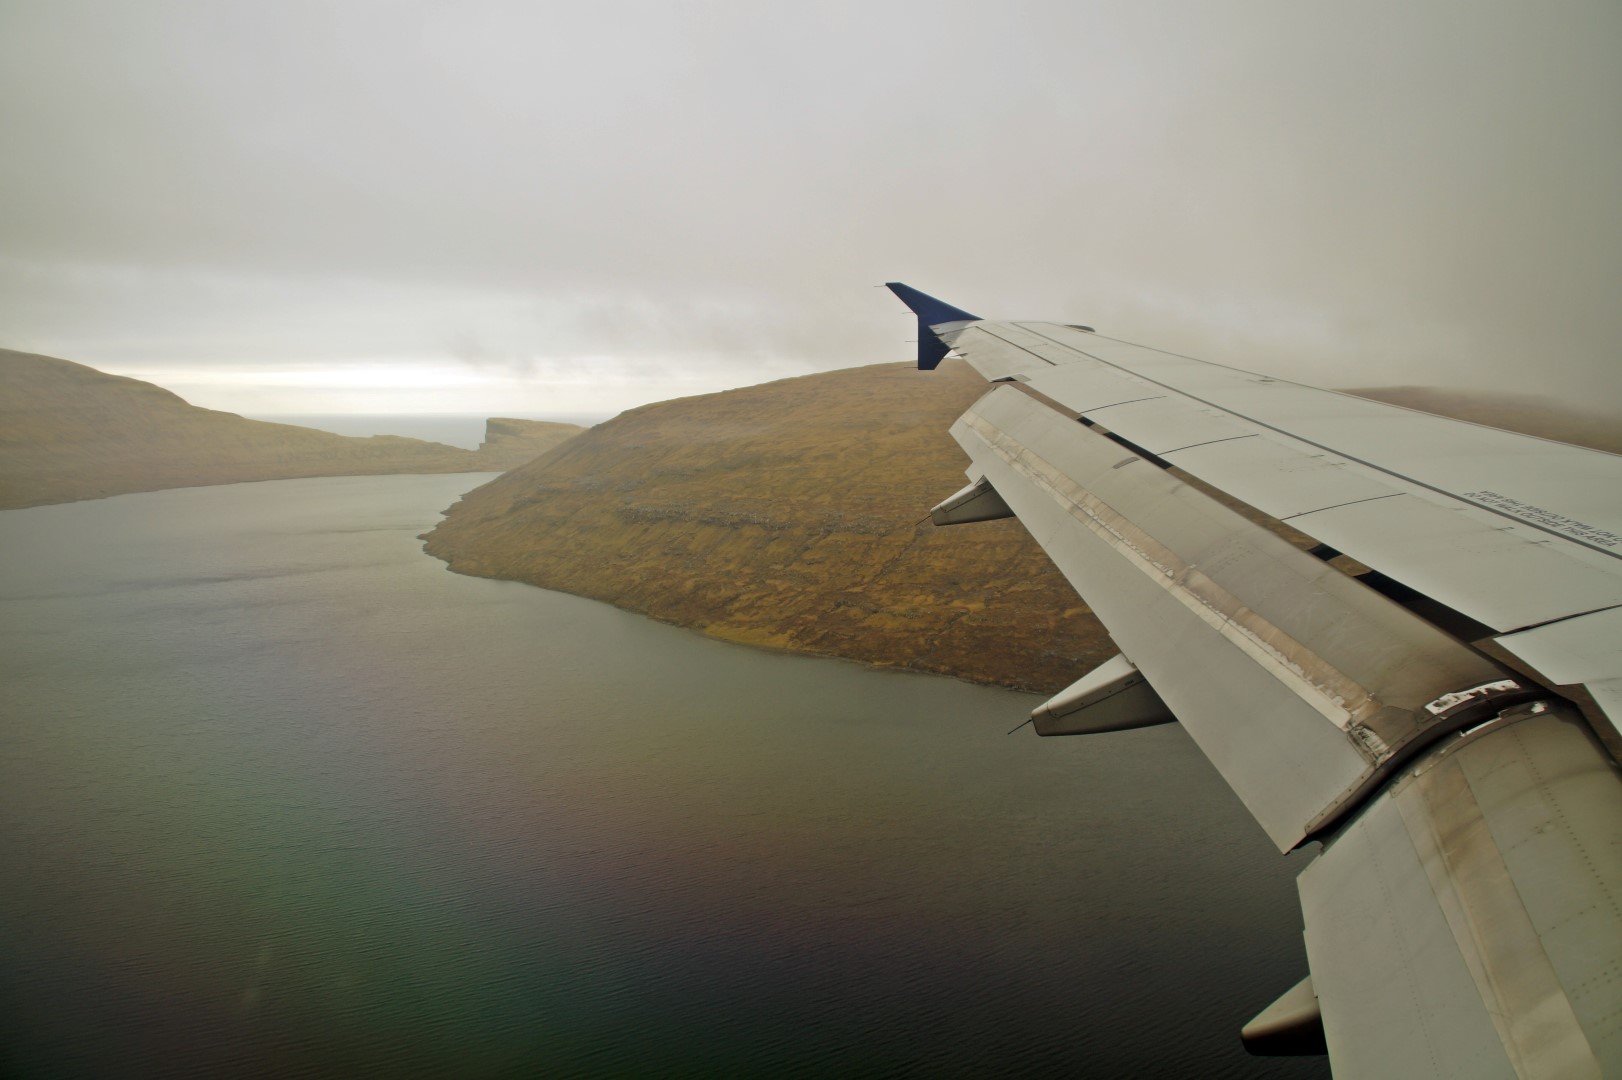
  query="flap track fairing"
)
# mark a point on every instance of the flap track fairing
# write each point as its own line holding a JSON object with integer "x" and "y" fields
{"x": 1114, "y": 696}
{"x": 977, "y": 502}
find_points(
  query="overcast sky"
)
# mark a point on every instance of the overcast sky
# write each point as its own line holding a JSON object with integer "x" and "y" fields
{"x": 529, "y": 207}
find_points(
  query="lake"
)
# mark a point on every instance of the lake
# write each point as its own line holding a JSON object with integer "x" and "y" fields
{"x": 281, "y": 796}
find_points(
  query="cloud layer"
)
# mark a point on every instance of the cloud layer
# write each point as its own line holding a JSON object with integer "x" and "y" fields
{"x": 702, "y": 193}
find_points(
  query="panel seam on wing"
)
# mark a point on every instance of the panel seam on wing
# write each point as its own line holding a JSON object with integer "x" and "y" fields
{"x": 1337, "y": 506}
{"x": 1454, "y": 496}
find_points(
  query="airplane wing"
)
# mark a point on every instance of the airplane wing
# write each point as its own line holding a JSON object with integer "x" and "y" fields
{"x": 1429, "y": 686}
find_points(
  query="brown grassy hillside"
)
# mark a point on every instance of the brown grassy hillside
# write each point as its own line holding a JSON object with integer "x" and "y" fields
{"x": 789, "y": 515}
{"x": 70, "y": 432}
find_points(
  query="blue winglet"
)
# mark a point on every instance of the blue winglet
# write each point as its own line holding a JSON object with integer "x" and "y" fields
{"x": 930, "y": 312}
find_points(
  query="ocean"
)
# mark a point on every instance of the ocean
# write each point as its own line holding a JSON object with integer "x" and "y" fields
{"x": 453, "y": 429}
{"x": 281, "y": 796}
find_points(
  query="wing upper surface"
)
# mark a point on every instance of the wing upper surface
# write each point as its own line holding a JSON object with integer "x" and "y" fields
{"x": 1510, "y": 530}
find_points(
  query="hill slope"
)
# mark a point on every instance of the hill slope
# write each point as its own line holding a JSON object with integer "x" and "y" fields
{"x": 788, "y": 515}
{"x": 70, "y": 432}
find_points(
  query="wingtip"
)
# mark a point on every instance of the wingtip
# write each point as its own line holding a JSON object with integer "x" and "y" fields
{"x": 930, "y": 312}
{"x": 928, "y": 309}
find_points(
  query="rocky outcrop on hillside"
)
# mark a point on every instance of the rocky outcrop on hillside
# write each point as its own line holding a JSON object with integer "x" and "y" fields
{"x": 509, "y": 442}
{"x": 70, "y": 432}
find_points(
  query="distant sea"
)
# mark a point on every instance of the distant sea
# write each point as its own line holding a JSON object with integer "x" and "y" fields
{"x": 282, "y": 797}
{"x": 454, "y": 429}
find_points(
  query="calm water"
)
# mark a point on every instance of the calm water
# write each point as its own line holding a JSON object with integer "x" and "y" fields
{"x": 454, "y": 429}
{"x": 281, "y": 796}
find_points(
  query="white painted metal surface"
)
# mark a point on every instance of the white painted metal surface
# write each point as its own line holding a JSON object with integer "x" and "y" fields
{"x": 1297, "y": 682}
{"x": 1572, "y": 651}
{"x": 1513, "y": 532}
{"x": 1584, "y": 655}
{"x": 1503, "y": 575}
{"x": 1114, "y": 696}
{"x": 1466, "y": 924}
{"x": 978, "y": 501}
{"x": 1507, "y": 529}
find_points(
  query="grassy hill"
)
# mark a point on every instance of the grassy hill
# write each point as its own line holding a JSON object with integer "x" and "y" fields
{"x": 70, "y": 432}
{"x": 790, "y": 515}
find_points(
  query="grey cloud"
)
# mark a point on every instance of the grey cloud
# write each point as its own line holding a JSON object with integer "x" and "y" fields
{"x": 1385, "y": 192}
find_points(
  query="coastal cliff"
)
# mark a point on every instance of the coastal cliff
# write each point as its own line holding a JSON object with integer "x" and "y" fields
{"x": 70, "y": 432}
{"x": 509, "y": 442}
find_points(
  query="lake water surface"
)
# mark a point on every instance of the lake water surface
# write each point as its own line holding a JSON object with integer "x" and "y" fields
{"x": 281, "y": 796}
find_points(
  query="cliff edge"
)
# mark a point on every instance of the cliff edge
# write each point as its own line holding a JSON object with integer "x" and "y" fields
{"x": 509, "y": 442}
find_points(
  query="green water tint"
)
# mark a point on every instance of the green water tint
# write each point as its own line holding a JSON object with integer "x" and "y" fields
{"x": 283, "y": 797}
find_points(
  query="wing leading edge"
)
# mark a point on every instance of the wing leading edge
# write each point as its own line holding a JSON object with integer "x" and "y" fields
{"x": 1445, "y": 725}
